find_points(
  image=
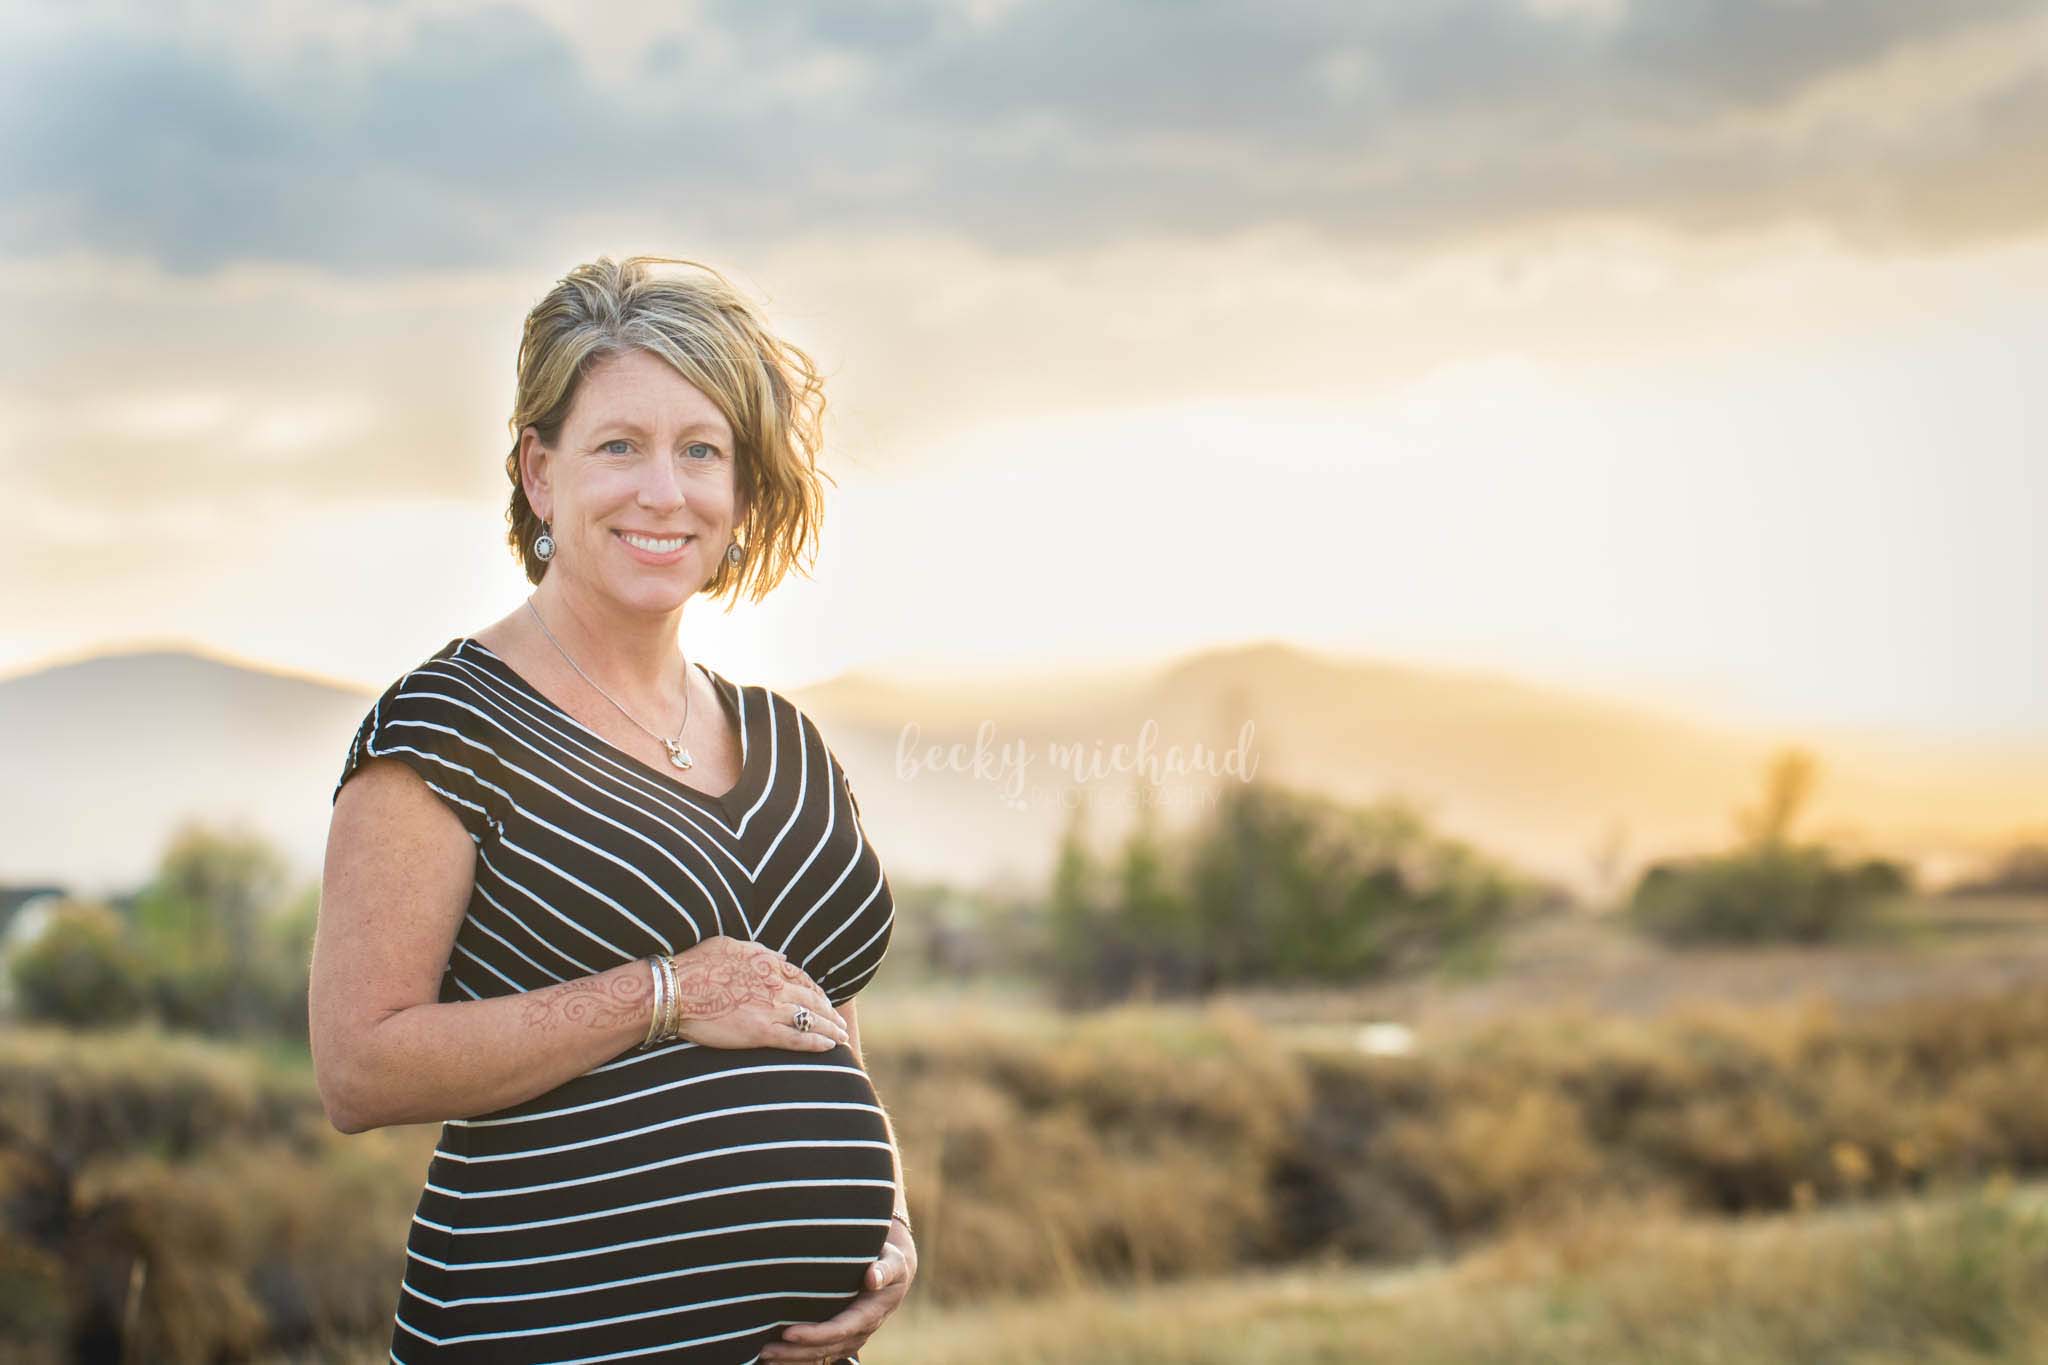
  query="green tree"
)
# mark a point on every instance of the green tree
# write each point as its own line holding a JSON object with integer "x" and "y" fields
{"x": 201, "y": 924}
{"x": 1075, "y": 909}
{"x": 1290, "y": 886}
{"x": 1152, "y": 914}
{"x": 1250, "y": 879}
{"x": 81, "y": 970}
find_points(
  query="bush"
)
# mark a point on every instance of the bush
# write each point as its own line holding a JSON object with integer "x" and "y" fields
{"x": 1769, "y": 888}
{"x": 223, "y": 958}
{"x": 1776, "y": 894}
{"x": 80, "y": 971}
{"x": 1277, "y": 886}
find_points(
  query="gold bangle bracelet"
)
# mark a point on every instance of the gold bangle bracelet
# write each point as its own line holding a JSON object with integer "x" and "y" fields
{"x": 660, "y": 998}
{"x": 672, "y": 1026}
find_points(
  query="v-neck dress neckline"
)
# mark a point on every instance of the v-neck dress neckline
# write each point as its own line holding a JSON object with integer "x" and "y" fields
{"x": 729, "y": 696}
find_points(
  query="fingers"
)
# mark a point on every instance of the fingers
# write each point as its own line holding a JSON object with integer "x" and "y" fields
{"x": 795, "y": 974}
{"x": 827, "y": 1034}
{"x": 825, "y": 1009}
{"x": 810, "y": 992}
{"x": 827, "y": 1340}
{"x": 827, "y": 1024}
{"x": 799, "y": 1353}
{"x": 808, "y": 1354}
{"x": 838, "y": 1336}
{"x": 886, "y": 1268}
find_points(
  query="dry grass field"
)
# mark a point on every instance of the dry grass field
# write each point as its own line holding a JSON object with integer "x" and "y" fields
{"x": 1941, "y": 1280}
{"x": 1599, "y": 1151}
{"x": 1933, "y": 947}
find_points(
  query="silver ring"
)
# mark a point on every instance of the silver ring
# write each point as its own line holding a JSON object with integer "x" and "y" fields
{"x": 803, "y": 1019}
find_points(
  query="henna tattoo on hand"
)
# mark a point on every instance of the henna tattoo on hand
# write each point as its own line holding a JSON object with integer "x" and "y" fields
{"x": 718, "y": 977}
{"x": 591, "y": 1001}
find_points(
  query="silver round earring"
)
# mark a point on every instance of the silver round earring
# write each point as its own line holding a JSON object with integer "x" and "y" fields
{"x": 544, "y": 544}
{"x": 732, "y": 553}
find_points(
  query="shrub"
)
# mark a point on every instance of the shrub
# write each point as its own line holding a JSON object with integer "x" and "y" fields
{"x": 1276, "y": 886}
{"x": 80, "y": 971}
{"x": 1780, "y": 893}
{"x": 1769, "y": 888}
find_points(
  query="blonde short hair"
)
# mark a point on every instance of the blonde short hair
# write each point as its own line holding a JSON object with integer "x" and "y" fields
{"x": 768, "y": 389}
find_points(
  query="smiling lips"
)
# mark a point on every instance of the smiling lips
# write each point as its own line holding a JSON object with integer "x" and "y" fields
{"x": 657, "y": 549}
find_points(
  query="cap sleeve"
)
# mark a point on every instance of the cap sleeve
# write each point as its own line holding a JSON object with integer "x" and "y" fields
{"x": 424, "y": 723}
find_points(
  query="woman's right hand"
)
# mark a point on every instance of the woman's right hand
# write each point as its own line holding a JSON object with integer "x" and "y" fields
{"x": 737, "y": 993}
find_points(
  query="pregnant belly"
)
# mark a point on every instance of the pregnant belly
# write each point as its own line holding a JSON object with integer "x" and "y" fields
{"x": 683, "y": 1195}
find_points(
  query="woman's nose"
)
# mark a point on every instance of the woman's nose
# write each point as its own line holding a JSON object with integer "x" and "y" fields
{"x": 663, "y": 486}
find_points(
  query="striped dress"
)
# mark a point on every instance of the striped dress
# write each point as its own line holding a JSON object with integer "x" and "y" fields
{"x": 680, "y": 1204}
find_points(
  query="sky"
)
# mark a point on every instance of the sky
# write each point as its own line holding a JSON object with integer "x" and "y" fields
{"x": 1680, "y": 350}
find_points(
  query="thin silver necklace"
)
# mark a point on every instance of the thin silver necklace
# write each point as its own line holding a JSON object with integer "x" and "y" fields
{"x": 677, "y": 754}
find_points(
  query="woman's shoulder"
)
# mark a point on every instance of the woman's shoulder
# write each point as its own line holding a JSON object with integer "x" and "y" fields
{"x": 429, "y": 718}
{"x": 440, "y": 687}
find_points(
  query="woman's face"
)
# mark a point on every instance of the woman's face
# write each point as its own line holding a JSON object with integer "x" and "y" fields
{"x": 644, "y": 451}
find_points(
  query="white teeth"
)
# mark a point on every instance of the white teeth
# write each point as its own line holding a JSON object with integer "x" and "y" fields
{"x": 660, "y": 547}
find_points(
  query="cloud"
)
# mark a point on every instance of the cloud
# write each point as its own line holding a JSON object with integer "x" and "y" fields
{"x": 363, "y": 138}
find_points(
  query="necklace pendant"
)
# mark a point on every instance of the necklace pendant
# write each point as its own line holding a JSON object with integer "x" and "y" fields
{"x": 679, "y": 755}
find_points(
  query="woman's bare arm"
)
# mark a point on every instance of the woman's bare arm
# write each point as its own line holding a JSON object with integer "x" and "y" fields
{"x": 393, "y": 894}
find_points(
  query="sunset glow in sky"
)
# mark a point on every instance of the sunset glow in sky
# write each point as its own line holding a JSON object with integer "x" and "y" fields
{"x": 1685, "y": 352}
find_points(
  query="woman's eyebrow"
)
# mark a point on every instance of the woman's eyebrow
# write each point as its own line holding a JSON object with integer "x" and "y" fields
{"x": 632, "y": 428}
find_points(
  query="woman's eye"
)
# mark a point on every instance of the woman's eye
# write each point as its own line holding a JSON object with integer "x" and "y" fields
{"x": 706, "y": 446}
{"x": 619, "y": 441}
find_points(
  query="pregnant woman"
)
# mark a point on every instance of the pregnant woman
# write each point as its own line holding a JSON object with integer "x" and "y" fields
{"x": 600, "y": 911}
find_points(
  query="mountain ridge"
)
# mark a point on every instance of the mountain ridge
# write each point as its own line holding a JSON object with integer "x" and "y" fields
{"x": 1542, "y": 775}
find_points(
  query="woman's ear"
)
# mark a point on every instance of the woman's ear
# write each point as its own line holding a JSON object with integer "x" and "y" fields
{"x": 534, "y": 472}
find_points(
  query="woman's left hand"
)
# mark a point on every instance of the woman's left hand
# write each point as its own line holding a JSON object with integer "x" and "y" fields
{"x": 887, "y": 1281}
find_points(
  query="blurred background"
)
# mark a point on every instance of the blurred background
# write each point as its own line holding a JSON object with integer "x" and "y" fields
{"x": 1437, "y": 611}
